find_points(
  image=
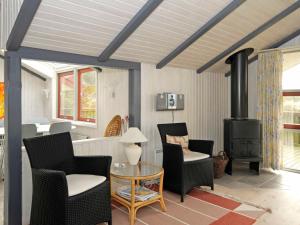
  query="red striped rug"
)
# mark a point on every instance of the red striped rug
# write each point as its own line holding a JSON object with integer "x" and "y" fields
{"x": 199, "y": 208}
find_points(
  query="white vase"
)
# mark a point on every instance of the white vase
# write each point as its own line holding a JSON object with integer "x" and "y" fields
{"x": 133, "y": 153}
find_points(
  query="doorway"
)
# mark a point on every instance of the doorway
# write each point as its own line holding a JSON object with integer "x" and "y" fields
{"x": 291, "y": 111}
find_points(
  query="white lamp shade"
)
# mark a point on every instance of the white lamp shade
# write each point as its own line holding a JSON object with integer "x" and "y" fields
{"x": 133, "y": 135}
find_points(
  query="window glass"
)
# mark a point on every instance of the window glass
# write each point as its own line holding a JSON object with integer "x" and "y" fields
{"x": 290, "y": 137}
{"x": 291, "y": 108}
{"x": 291, "y": 78}
{"x": 66, "y": 95}
{"x": 87, "y": 93}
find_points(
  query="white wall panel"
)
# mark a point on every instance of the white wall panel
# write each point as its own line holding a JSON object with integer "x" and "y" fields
{"x": 112, "y": 94}
{"x": 206, "y": 105}
{"x": 33, "y": 97}
{"x": 252, "y": 87}
{"x": 8, "y": 14}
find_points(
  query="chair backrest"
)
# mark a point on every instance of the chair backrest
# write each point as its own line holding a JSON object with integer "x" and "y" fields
{"x": 29, "y": 130}
{"x": 51, "y": 152}
{"x": 61, "y": 127}
{"x": 42, "y": 120}
{"x": 174, "y": 129}
{"x": 114, "y": 127}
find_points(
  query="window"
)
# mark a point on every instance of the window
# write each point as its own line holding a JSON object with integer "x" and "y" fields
{"x": 291, "y": 109}
{"x": 291, "y": 98}
{"x": 66, "y": 95}
{"x": 291, "y": 118}
{"x": 87, "y": 95}
{"x": 77, "y": 95}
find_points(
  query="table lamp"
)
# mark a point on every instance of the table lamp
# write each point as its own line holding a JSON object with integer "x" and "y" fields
{"x": 133, "y": 152}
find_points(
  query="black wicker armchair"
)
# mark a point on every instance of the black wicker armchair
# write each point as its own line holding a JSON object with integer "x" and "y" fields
{"x": 67, "y": 190}
{"x": 185, "y": 171}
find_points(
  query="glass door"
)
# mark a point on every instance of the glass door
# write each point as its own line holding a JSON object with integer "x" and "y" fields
{"x": 291, "y": 133}
{"x": 291, "y": 111}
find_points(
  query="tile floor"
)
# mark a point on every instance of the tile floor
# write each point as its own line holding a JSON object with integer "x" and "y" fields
{"x": 291, "y": 157}
{"x": 278, "y": 191}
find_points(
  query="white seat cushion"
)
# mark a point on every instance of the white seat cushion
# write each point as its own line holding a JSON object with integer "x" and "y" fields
{"x": 192, "y": 156}
{"x": 78, "y": 183}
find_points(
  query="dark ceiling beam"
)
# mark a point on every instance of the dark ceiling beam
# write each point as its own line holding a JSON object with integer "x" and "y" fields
{"x": 22, "y": 23}
{"x": 286, "y": 39}
{"x": 202, "y": 30}
{"x": 251, "y": 35}
{"x": 278, "y": 43}
{"x": 275, "y": 45}
{"x": 133, "y": 24}
{"x": 55, "y": 56}
{"x": 29, "y": 71}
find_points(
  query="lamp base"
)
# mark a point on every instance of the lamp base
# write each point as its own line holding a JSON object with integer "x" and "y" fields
{"x": 133, "y": 153}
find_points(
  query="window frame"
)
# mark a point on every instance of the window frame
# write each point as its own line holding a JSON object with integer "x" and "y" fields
{"x": 76, "y": 72}
{"x": 59, "y": 76}
{"x": 80, "y": 73}
{"x": 291, "y": 93}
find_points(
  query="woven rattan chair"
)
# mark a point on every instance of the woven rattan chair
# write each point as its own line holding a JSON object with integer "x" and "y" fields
{"x": 29, "y": 130}
{"x": 114, "y": 127}
{"x": 60, "y": 127}
{"x": 67, "y": 190}
{"x": 183, "y": 172}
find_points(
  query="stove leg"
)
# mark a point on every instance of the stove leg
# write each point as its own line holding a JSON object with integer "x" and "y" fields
{"x": 254, "y": 166}
{"x": 228, "y": 168}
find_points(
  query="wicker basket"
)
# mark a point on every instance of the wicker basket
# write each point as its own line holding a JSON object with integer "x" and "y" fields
{"x": 114, "y": 127}
{"x": 220, "y": 162}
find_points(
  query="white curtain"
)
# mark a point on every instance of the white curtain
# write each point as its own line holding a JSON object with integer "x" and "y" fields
{"x": 269, "y": 86}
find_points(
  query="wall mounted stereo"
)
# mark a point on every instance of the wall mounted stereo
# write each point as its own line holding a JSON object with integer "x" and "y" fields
{"x": 169, "y": 101}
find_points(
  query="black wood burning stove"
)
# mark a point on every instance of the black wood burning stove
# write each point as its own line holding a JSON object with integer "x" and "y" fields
{"x": 242, "y": 136}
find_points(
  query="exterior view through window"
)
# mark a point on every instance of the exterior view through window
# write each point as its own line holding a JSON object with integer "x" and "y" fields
{"x": 77, "y": 95}
{"x": 87, "y": 95}
{"x": 291, "y": 118}
{"x": 66, "y": 95}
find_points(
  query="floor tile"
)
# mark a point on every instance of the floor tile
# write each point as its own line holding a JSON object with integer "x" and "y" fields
{"x": 234, "y": 219}
{"x": 214, "y": 199}
{"x": 249, "y": 211}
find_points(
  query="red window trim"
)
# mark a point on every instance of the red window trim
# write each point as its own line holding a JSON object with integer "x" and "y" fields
{"x": 60, "y": 75}
{"x": 291, "y": 93}
{"x": 80, "y": 72}
{"x": 289, "y": 125}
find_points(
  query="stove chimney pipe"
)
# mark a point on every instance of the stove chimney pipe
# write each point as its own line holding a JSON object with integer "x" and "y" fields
{"x": 239, "y": 83}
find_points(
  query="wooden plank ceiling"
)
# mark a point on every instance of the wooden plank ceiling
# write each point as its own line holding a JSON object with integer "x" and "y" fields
{"x": 87, "y": 27}
{"x": 84, "y": 27}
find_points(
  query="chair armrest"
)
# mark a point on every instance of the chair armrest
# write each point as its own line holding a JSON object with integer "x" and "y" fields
{"x": 172, "y": 153}
{"x": 95, "y": 165}
{"x": 173, "y": 164}
{"x": 172, "y": 158}
{"x": 203, "y": 146}
{"x": 50, "y": 194}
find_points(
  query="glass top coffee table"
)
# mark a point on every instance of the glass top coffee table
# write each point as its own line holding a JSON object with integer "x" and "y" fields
{"x": 136, "y": 195}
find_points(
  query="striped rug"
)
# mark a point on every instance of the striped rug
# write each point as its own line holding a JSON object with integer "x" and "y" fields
{"x": 199, "y": 208}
